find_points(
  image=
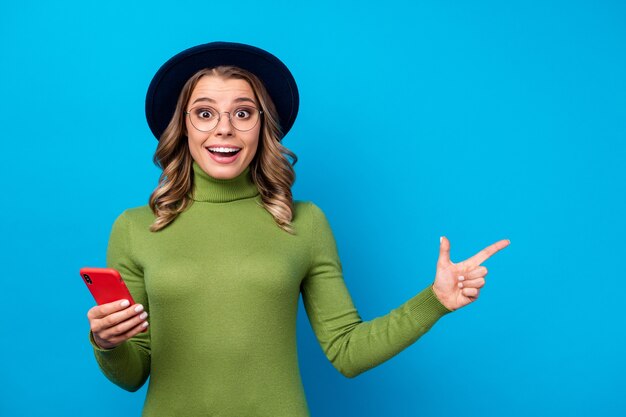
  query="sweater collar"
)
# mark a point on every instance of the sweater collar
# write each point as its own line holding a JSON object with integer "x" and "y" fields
{"x": 215, "y": 190}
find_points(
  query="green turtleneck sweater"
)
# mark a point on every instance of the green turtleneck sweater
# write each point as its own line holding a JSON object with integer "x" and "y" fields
{"x": 221, "y": 285}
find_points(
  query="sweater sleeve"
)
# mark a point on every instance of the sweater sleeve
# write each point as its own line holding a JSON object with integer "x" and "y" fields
{"x": 128, "y": 364}
{"x": 352, "y": 345}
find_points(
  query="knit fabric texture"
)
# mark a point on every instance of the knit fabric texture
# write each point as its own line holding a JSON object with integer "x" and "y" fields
{"x": 221, "y": 285}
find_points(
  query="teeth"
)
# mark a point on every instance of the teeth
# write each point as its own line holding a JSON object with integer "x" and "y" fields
{"x": 224, "y": 149}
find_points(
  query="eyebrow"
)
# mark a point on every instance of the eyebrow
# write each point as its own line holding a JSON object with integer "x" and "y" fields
{"x": 237, "y": 100}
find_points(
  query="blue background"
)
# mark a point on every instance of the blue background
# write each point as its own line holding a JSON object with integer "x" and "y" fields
{"x": 479, "y": 121}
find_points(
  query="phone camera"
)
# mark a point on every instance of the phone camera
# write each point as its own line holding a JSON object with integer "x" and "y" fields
{"x": 87, "y": 279}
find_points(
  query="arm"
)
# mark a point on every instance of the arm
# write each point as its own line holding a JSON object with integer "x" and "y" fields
{"x": 352, "y": 345}
{"x": 128, "y": 364}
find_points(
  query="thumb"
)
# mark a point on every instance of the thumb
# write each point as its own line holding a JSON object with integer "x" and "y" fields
{"x": 444, "y": 250}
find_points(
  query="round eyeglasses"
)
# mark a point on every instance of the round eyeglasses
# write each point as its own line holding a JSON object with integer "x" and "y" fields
{"x": 205, "y": 118}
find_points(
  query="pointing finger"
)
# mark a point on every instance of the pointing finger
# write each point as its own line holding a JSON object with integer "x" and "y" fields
{"x": 486, "y": 253}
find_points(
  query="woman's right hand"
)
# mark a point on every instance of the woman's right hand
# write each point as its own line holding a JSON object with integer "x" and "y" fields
{"x": 114, "y": 323}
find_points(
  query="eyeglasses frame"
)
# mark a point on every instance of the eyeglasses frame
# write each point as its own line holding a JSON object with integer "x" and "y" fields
{"x": 219, "y": 119}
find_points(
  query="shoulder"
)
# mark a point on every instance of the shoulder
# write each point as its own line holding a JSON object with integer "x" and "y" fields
{"x": 305, "y": 208}
{"x": 139, "y": 212}
{"x": 140, "y": 215}
{"x": 318, "y": 229}
{"x": 309, "y": 212}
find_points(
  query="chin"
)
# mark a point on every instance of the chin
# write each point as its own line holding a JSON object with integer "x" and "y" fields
{"x": 223, "y": 172}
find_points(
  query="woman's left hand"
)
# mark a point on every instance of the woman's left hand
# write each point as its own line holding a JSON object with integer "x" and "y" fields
{"x": 457, "y": 285}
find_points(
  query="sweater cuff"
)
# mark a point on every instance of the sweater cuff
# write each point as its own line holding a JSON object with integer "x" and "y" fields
{"x": 426, "y": 308}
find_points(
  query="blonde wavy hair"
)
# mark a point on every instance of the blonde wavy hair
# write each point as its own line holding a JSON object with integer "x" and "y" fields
{"x": 270, "y": 169}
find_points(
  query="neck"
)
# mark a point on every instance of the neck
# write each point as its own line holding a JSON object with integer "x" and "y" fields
{"x": 216, "y": 190}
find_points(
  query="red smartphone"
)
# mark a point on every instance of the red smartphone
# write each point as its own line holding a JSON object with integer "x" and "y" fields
{"x": 106, "y": 285}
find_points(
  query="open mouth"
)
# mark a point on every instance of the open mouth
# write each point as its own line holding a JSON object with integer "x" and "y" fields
{"x": 224, "y": 152}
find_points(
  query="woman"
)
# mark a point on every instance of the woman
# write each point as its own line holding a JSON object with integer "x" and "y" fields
{"x": 220, "y": 255}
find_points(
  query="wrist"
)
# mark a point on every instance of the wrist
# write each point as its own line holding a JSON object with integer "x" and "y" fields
{"x": 443, "y": 300}
{"x": 95, "y": 343}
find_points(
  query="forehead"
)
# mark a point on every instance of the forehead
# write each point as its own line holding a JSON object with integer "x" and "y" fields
{"x": 221, "y": 89}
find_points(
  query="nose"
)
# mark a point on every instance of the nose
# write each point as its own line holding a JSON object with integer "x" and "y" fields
{"x": 224, "y": 127}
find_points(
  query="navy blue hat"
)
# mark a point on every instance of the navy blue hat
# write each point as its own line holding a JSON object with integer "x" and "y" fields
{"x": 168, "y": 82}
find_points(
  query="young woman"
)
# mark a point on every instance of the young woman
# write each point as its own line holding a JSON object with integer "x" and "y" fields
{"x": 219, "y": 257}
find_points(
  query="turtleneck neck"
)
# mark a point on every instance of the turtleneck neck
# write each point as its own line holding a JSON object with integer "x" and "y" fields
{"x": 215, "y": 190}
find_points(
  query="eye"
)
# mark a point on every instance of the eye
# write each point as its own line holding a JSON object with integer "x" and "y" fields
{"x": 243, "y": 113}
{"x": 205, "y": 113}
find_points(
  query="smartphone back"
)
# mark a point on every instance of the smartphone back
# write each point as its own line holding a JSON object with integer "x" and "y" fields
{"x": 106, "y": 285}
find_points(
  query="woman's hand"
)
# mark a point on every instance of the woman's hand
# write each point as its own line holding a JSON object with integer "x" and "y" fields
{"x": 457, "y": 285}
{"x": 113, "y": 323}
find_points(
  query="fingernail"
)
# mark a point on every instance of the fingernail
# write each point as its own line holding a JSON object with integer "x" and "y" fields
{"x": 460, "y": 285}
{"x": 143, "y": 315}
{"x": 440, "y": 239}
{"x": 461, "y": 278}
{"x": 138, "y": 308}
{"x": 145, "y": 324}
{"x": 125, "y": 303}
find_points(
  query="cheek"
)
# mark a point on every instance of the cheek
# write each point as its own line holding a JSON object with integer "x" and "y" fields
{"x": 195, "y": 146}
{"x": 253, "y": 144}
{"x": 194, "y": 137}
